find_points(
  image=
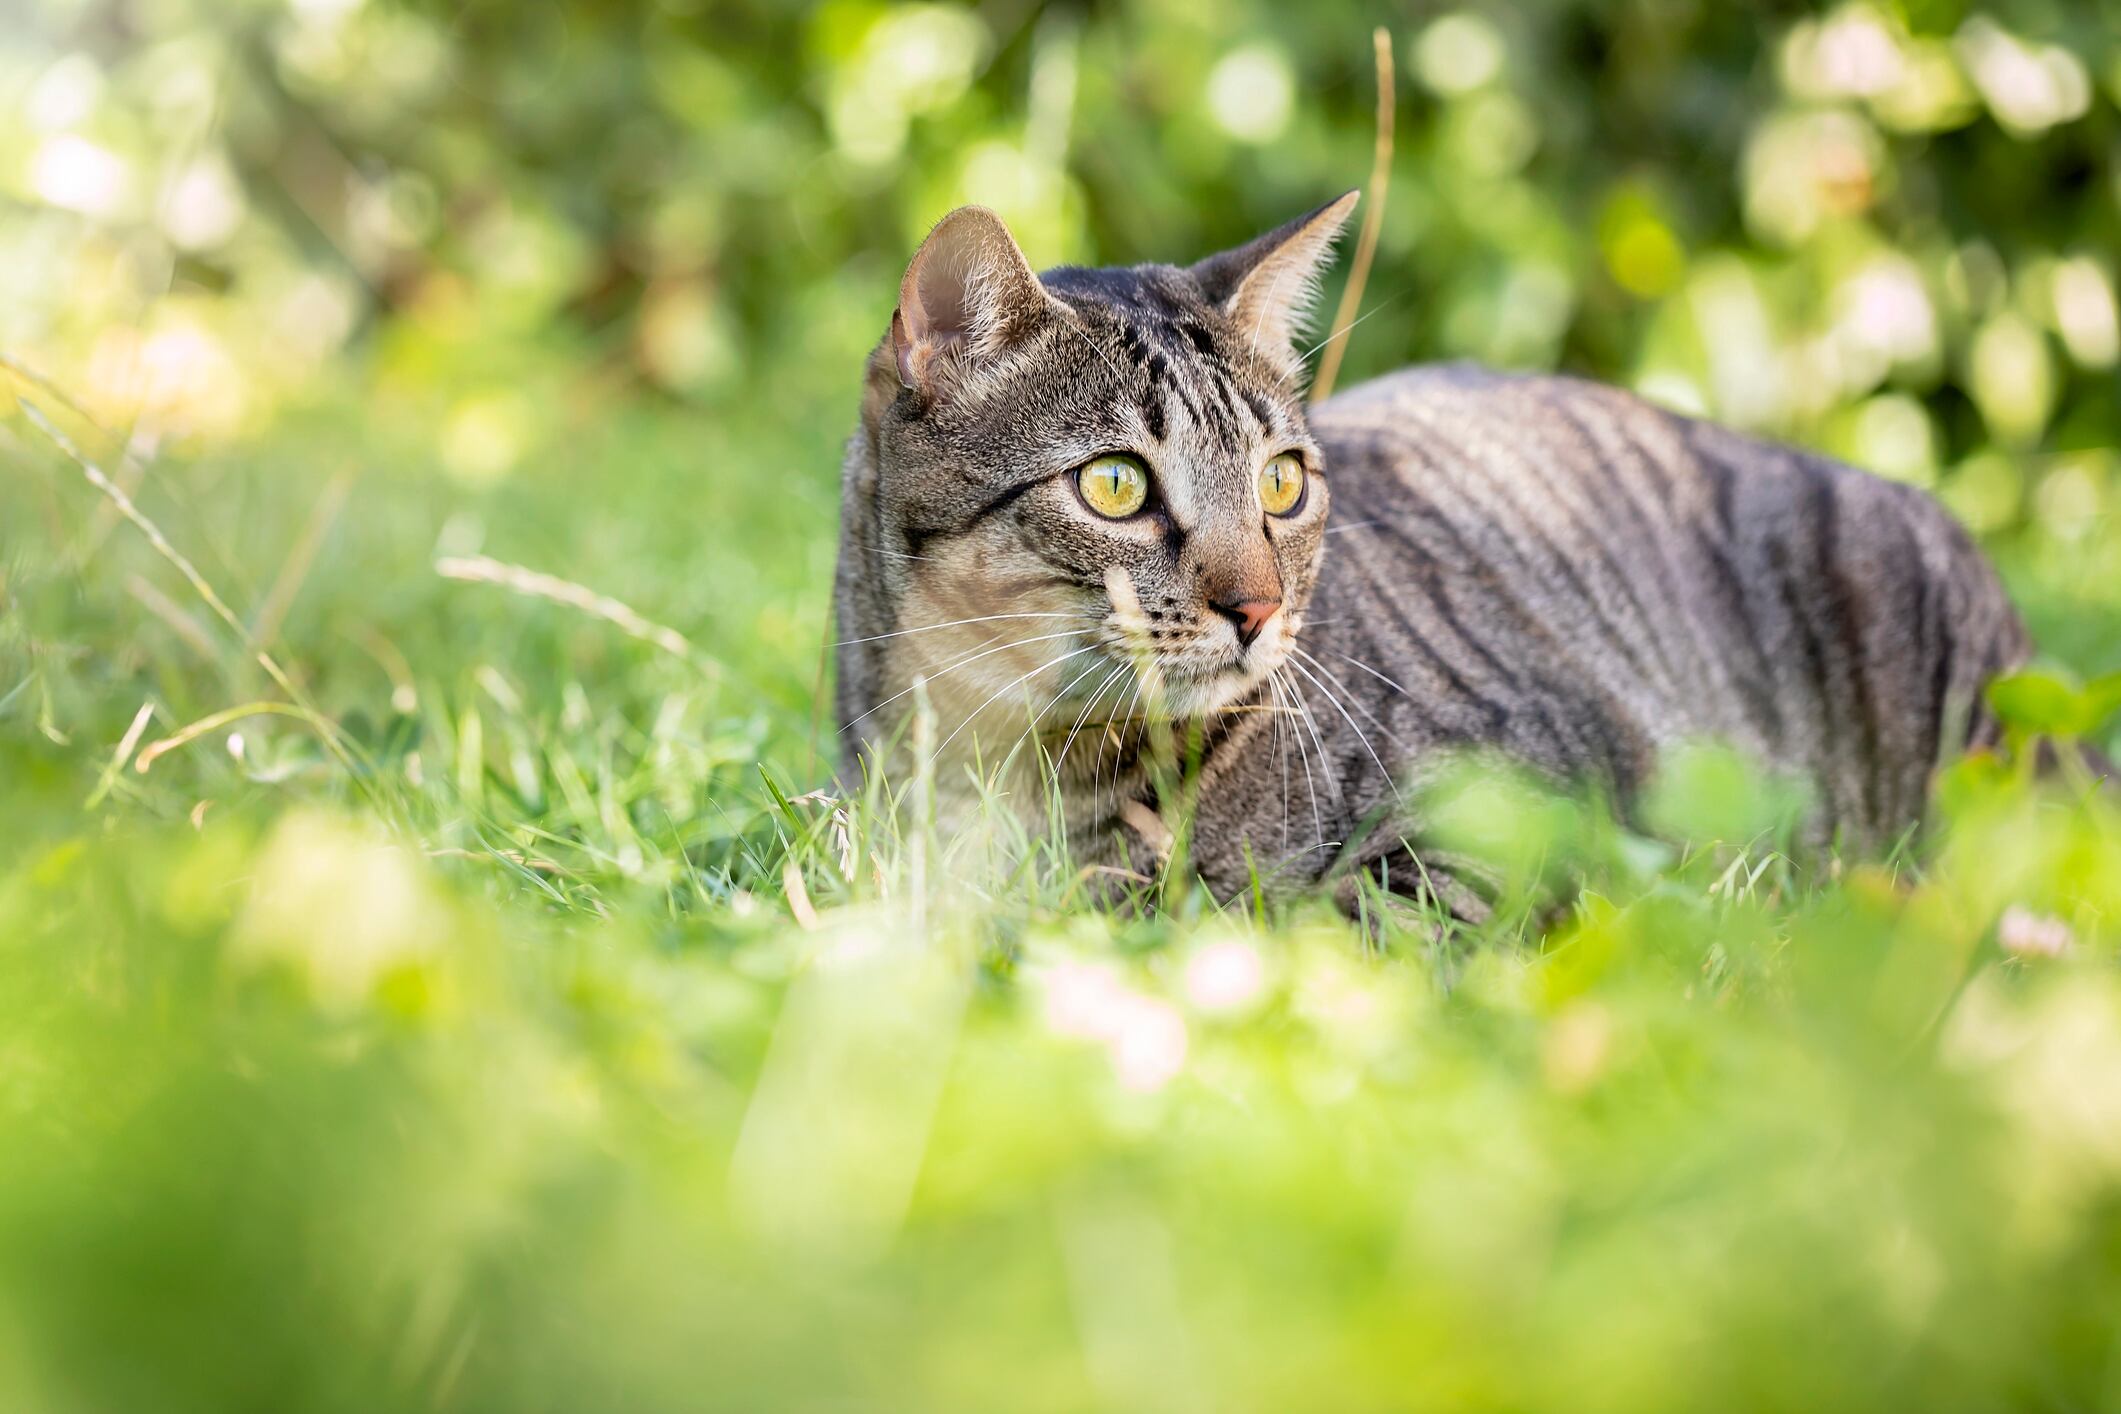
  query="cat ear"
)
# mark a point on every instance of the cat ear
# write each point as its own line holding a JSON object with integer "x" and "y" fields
{"x": 968, "y": 294}
{"x": 1266, "y": 285}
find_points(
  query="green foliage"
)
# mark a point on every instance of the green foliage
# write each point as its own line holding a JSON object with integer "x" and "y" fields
{"x": 446, "y": 978}
{"x": 304, "y": 1119}
{"x": 1710, "y": 793}
{"x": 2052, "y": 704}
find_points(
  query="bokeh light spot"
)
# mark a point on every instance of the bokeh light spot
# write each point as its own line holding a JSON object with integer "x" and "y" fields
{"x": 1251, "y": 93}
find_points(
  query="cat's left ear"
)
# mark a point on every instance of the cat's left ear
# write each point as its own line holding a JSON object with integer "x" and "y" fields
{"x": 1266, "y": 286}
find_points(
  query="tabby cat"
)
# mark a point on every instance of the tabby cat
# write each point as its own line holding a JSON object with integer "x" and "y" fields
{"x": 1084, "y": 505}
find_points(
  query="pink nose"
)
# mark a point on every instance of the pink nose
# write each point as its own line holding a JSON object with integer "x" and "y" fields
{"x": 1248, "y": 616}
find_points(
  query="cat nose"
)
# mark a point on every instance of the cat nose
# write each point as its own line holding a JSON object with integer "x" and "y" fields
{"x": 1247, "y": 616}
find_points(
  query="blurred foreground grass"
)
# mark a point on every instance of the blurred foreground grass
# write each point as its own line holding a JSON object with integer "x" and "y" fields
{"x": 524, "y": 1030}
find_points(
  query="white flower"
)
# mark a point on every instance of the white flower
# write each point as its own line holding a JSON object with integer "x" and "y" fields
{"x": 1225, "y": 977}
{"x": 2024, "y": 933}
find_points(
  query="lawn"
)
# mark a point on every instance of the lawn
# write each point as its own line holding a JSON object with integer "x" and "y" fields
{"x": 439, "y": 970}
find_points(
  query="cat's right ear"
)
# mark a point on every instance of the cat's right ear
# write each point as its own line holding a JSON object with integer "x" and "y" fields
{"x": 1267, "y": 287}
{"x": 968, "y": 294}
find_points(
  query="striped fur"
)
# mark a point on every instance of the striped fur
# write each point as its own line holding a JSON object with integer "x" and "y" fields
{"x": 1540, "y": 567}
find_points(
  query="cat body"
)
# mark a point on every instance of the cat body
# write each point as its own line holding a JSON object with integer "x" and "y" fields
{"x": 1562, "y": 574}
{"x": 1086, "y": 520}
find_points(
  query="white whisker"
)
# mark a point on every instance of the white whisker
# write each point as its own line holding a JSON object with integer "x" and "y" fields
{"x": 1318, "y": 823}
{"x": 1355, "y": 324}
{"x": 954, "y": 623}
{"x": 1348, "y": 693}
{"x": 1059, "y": 698}
{"x": 1325, "y": 765}
{"x": 1119, "y": 746}
{"x": 1374, "y": 673}
{"x": 1281, "y": 744}
{"x": 1336, "y": 704}
{"x": 932, "y": 678}
{"x": 1084, "y": 716}
{"x": 997, "y": 695}
{"x": 1102, "y": 357}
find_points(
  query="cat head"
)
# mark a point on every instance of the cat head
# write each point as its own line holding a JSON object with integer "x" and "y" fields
{"x": 1062, "y": 476}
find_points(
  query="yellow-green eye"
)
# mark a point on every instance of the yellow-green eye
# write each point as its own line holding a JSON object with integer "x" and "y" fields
{"x": 1281, "y": 484}
{"x": 1113, "y": 485}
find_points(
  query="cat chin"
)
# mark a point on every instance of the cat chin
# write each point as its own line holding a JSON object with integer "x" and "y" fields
{"x": 1205, "y": 694}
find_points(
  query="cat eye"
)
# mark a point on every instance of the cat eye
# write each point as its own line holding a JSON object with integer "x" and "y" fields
{"x": 1281, "y": 485}
{"x": 1113, "y": 485}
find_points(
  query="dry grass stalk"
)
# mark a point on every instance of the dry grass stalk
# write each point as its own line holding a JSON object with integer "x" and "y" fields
{"x": 118, "y": 497}
{"x": 123, "y": 754}
{"x": 1373, "y": 220}
{"x": 481, "y": 570}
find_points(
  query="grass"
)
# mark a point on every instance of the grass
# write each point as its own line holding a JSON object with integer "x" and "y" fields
{"x": 435, "y": 973}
